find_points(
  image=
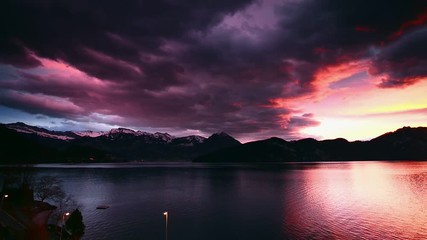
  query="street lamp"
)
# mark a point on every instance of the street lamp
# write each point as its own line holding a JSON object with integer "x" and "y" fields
{"x": 2, "y": 198}
{"x": 63, "y": 223}
{"x": 166, "y": 218}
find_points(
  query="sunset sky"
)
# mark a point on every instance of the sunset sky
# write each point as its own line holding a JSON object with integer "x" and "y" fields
{"x": 254, "y": 69}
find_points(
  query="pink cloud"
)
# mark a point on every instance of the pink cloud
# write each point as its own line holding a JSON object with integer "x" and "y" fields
{"x": 326, "y": 75}
{"x": 38, "y": 103}
{"x": 57, "y": 79}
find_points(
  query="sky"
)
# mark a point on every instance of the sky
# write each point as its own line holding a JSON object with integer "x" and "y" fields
{"x": 252, "y": 68}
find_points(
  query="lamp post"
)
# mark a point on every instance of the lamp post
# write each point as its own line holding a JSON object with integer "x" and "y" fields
{"x": 166, "y": 219}
{"x": 2, "y": 198}
{"x": 63, "y": 223}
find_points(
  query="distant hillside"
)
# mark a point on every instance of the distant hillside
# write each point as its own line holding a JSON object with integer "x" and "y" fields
{"x": 404, "y": 144}
{"x": 29, "y": 144}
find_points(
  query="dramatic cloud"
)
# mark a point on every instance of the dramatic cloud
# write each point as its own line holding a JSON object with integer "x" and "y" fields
{"x": 237, "y": 66}
{"x": 403, "y": 62}
{"x": 41, "y": 104}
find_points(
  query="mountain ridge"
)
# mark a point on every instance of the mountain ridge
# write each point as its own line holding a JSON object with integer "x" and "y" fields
{"x": 405, "y": 143}
{"x": 70, "y": 135}
{"x": 116, "y": 145}
{"x": 122, "y": 144}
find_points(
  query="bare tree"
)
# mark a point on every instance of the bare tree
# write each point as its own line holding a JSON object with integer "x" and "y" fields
{"x": 48, "y": 187}
{"x": 64, "y": 205}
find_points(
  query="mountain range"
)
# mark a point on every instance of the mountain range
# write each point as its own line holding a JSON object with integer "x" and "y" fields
{"x": 403, "y": 144}
{"x": 22, "y": 143}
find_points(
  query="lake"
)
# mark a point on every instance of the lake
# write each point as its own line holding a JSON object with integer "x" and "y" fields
{"x": 350, "y": 200}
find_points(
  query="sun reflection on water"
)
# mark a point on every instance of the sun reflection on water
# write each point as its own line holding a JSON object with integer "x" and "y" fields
{"x": 375, "y": 200}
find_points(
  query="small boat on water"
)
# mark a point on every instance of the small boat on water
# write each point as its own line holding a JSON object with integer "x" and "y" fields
{"x": 102, "y": 207}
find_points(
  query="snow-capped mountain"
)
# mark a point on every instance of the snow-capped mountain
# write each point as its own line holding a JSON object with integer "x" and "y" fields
{"x": 116, "y": 131}
{"x": 89, "y": 133}
{"x": 68, "y": 135}
{"x": 24, "y": 144}
{"x": 189, "y": 140}
{"x": 149, "y": 137}
{"x": 24, "y": 128}
{"x": 164, "y": 136}
{"x": 116, "y": 145}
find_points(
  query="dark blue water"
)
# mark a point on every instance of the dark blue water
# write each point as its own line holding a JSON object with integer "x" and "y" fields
{"x": 368, "y": 200}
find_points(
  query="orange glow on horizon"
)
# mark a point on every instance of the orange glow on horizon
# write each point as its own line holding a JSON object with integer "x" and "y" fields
{"x": 349, "y": 103}
{"x": 361, "y": 111}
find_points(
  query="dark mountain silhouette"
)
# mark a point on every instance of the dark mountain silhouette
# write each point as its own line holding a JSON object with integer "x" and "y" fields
{"x": 404, "y": 144}
{"x": 269, "y": 150}
{"x": 23, "y": 147}
{"x": 29, "y": 144}
{"x": 22, "y": 143}
{"x": 218, "y": 141}
{"x": 17, "y": 148}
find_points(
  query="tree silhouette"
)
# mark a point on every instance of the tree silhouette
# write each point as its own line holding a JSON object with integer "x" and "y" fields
{"x": 75, "y": 224}
{"x": 48, "y": 187}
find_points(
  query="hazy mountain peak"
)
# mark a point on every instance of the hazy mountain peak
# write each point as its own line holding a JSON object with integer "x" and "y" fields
{"x": 89, "y": 133}
{"x": 24, "y": 128}
{"x": 222, "y": 134}
{"x": 122, "y": 130}
{"x": 191, "y": 140}
{"x": 163, "y": 136}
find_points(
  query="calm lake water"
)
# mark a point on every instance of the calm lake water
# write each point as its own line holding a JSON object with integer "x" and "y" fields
{"x": 352, "y": 200}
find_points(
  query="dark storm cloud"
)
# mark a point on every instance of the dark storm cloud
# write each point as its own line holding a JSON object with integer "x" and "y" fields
{"x": 176, "y": 64}
{"x": 14, "y": 54}
{"x": 38, "y": 104}
{"x": 404, "y": 62}
{"x": 37, "y": 84}
{"x": 310, "y": 36}
{"x": 332, "y": 32}
{"x": 60, "y": 29}
{"x": 335, "y": 25}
